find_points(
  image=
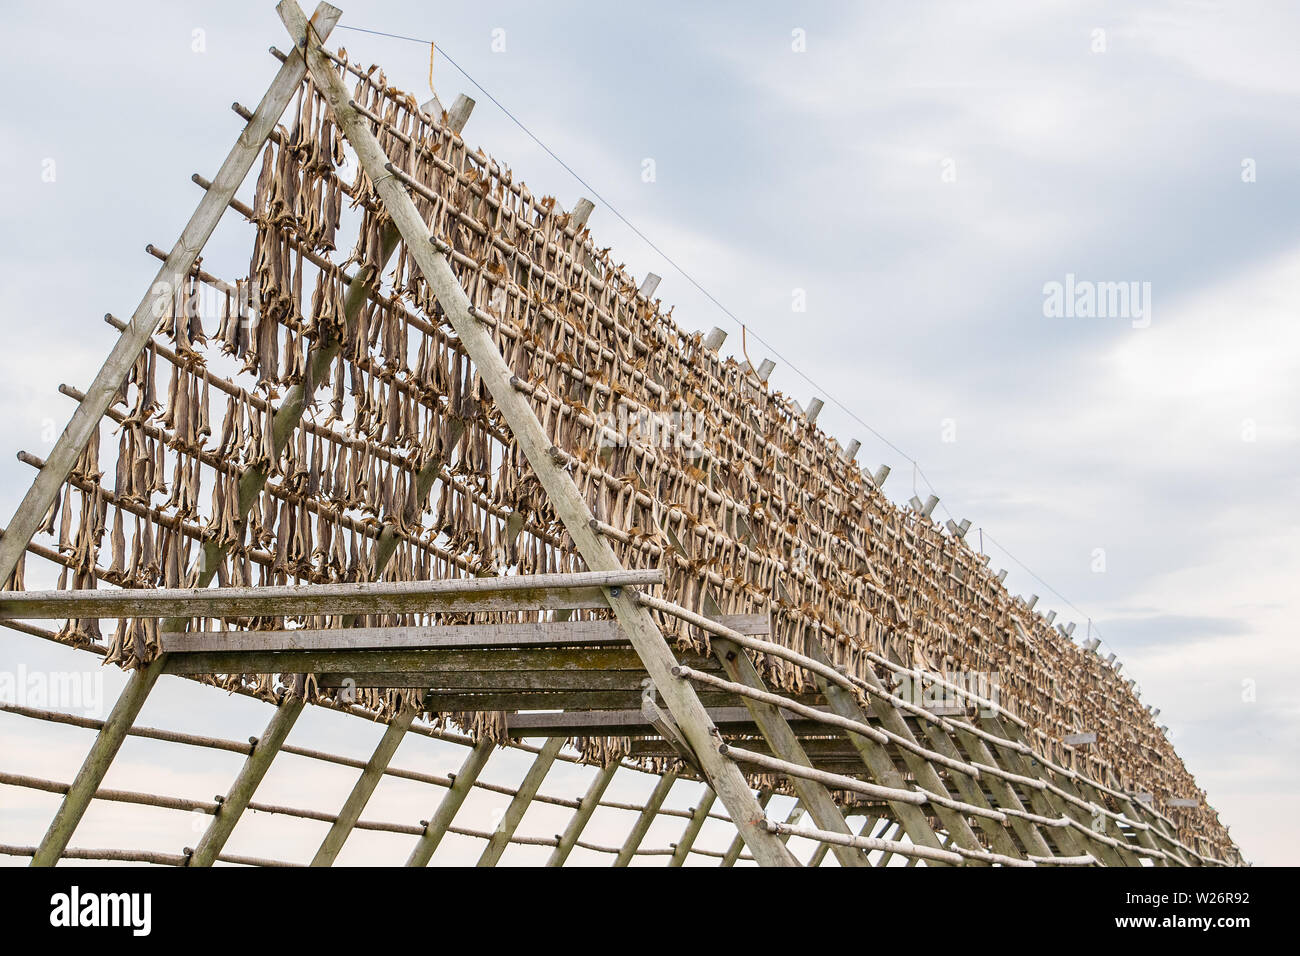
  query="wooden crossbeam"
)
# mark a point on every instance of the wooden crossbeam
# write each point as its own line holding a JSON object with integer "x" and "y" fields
{"x": 420, "y": 664}
{"x": 453, "y": 596}
{"x": 645, "y": 818}
{"x": 876, "y": 758}
{"x": 1026, "y": 830}
{"x": 972, "y": 791}
{"x": 1070, "y": 841}
{"x": 439, "y": 681}
{"x": 430, "y": 637}
{"x": 1120, "y": 855}
{"x": 868, "y": 828}
{"x": 819, "y": 749}
{"x": 926, "y": 776}
{"x": 107, "y": 743}
{"x": 682, "y": 849}
{"x": 818, "y": 855}
{"x": 633, "y": 723}
{"x": 548, "y": 634}
{"x": 898, "y": 831}
{"x": 793, "y": 817}
{"x": 1141, "y": 835}
{"x": 524, "y": 699}
{"x": 1097, "y": 845}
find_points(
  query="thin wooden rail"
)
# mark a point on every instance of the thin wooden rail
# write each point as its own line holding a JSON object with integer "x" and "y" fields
{"x": 506, "y": 593}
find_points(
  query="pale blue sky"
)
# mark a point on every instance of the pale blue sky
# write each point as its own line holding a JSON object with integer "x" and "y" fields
{"x": 823, "y": 171}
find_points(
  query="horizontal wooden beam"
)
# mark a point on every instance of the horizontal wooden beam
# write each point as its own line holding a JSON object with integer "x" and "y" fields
{"x": 441, "y": 665}
{"x": 819, "y": 748}
{"x": 544, "y": 680}
{"x": 629, "y": 722}
{"x": 751, "y": 625}
{"x": 431, "y": 637}
{"x": 523, "y": 699}
{"x": 503, "y": 593}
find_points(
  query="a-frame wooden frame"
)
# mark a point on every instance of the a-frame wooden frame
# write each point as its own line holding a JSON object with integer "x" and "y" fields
{"x": 997, "y": 802}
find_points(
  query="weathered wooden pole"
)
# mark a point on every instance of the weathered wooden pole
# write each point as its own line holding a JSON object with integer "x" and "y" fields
{"x": 522, "y": 800}
{"x": 107, "y": 743}
{"x": 737, "y": 844}
{"x": 645, "y": 818}
{"x": 535, "y": 444}
{"x": 461, "y": 784}
{"x": 785, "y": 744}
{"x": 246, "y": 783}
{"x": 701, "y": 813}
{"x": 586, "y": 807}
{"x": 364, "y": 787}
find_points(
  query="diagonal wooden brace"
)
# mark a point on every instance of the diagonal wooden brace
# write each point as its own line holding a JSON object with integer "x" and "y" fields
{"x": 680, "y": 699}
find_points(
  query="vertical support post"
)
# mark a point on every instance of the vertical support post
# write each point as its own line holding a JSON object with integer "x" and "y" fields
{"x": 875, "y": 756}
{"x": 364, "y": 787}
{"x": 1046, "y": 803}
{"x": 785, "y": 744}
{"x": 245, "y": 785}
{"x": 698, "y": 816}
{"x": 586, "y": 807}
{"x": 645, "y": 818}
{"x": 519, "y": 805}
{"x": 457, "y": 116}
{"x": 972, "y": 791}
{"x": 107, "y": 743}
{"x": 582, "y": 211}
{"x": 1027, "y": 830}
{"x": 1143, "y": 837}
{"x": 570, "y": 507}
{"x": 461, "y": 784}
{"x": 925, "y": 774}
